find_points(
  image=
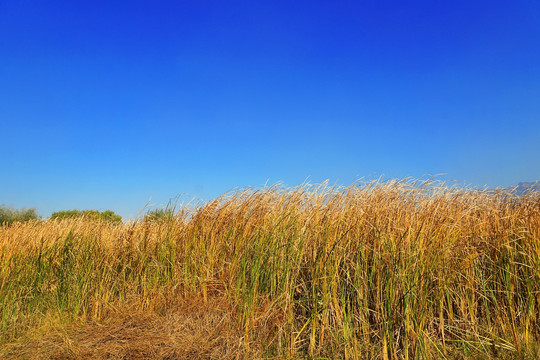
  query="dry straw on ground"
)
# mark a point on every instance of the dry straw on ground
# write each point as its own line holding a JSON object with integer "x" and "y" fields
{"x": 395, "y": 270}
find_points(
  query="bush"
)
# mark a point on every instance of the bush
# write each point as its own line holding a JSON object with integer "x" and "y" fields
{"x": 10, "y": 215}
{"x": 159, "y": 214}
{"x": 106, "y": 215}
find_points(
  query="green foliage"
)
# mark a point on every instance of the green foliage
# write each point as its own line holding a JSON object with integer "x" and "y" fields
{"x": 66, "y": 214}
{"x": 159, "y": 214}
{"x": 106, "y": 215}
{"x": 110, "y": 216}
{"x": 10, "y": 215}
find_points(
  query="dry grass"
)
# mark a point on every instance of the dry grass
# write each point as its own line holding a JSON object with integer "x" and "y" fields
{"x": 192, "y": 330}
{"x": 396, "y": 270}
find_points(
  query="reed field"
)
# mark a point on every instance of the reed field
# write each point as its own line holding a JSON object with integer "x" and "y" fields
{"x": 381, "y": 270}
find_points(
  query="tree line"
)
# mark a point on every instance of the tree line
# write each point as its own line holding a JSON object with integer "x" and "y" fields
{"x": 9, "y": 215}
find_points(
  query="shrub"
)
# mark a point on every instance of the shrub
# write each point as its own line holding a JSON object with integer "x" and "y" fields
{"x": 159, "y": 214}
{"x": 10, "y": 215}
{"x": 106, "y": 215}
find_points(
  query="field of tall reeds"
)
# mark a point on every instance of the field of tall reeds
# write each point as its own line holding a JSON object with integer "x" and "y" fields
{"x": 381, "y": 270}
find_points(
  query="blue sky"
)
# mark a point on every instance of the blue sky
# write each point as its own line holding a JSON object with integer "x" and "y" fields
{"x": 105, "y": 104}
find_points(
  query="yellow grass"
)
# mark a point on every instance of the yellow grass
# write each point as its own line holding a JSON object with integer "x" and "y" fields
{"x": 395, "y": 270}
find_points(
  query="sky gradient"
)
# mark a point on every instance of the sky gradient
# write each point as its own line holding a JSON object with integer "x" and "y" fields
{"x": 106, "y": 104}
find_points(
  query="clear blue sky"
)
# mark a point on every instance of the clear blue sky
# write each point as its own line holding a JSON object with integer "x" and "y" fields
{"x": 104, "y": 104}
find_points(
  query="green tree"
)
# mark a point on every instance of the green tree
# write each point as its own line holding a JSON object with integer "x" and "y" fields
{"x": 9, "y": 215}
{"x": 159, "y": 214}
{"x": 106, "y": 215}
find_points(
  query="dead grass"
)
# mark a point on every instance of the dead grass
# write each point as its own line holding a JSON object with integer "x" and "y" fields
{"x": 188, "y": 330}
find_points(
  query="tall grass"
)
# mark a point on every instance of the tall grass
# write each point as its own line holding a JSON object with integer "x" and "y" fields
{"x": 394, "y": 270}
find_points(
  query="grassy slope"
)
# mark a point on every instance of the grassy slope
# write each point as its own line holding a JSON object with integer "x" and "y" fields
{"x": 392, "y": 270}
